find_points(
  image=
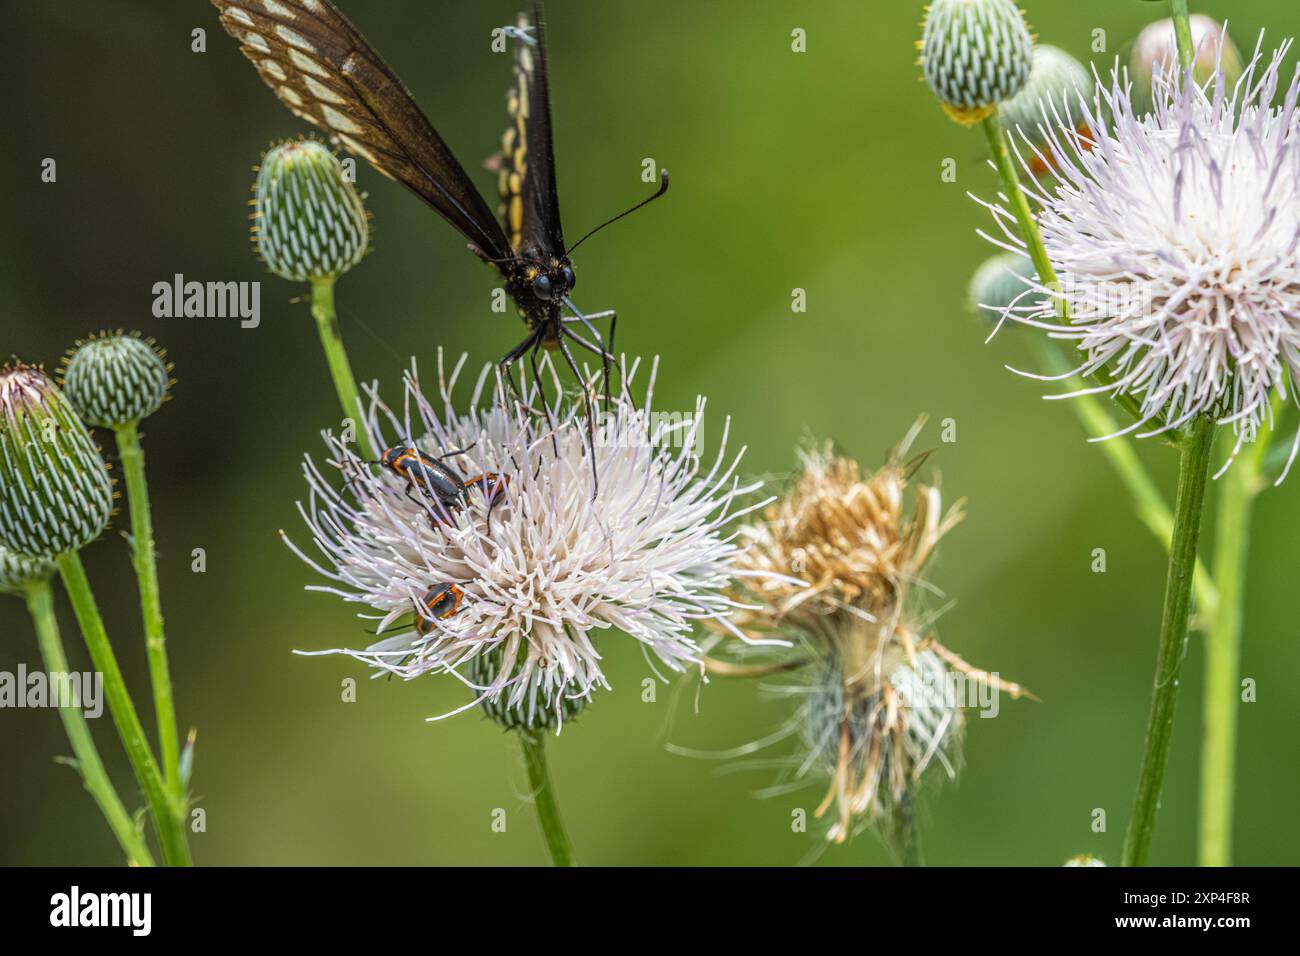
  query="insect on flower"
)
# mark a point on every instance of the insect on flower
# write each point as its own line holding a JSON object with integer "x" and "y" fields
{"x": 523, "y": 613}
{"x": 439, "y": 603}
{"x": 437, "y": 481}
{"x": 325, "y": 72}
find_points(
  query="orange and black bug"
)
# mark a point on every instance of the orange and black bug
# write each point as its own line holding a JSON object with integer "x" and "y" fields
{"x": 439, "y": 482}
{"x": 439, "y": 603}
{"x": 324, "y": 71}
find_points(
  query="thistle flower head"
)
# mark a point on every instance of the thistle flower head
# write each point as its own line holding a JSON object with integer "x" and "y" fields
{"x": 1176, "y": 241}
{"x": 308, "y": 221}
{"x": 546, "y": 564}
{"x": 113, "y": 378}
{"x": 55, "y": 493}
{"x": 877, "y": 728}
{"x": 880, "y": 706}
{"x": 1157, "y": 49}
{"x": 17, "y": 571}
{"x": 1084, "y": 859}
{"x": 842, "y": 546}
{"x": 975, "y": 54}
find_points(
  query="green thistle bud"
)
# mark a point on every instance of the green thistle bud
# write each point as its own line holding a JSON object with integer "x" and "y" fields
{"x": 55, "y": 493}
{"x": 309, "y": 222}
{"x": 975, "y": 54}
{"x": 16, "y": 571}
{"x": 113, "y": 379}
{"x": 1000, "y": 281}
{"x": 1158, "y": 44}
{"x": 1057, "y": 80}
{"x": 535, "y": 710}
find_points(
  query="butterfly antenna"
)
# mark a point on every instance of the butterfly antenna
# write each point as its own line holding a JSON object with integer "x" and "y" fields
{"x": 663, "y": 188}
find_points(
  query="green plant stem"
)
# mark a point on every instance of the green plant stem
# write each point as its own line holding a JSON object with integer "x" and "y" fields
{"x": 1032, "y": 237}
{"x": 1183, "y": 32}
{"x": 1193, "y": 476}
{"x": 331, "y": 340}
{"x": 548, "y": 812}
{"x": 1152, "y": 509}
{"x": 1238, "y": 488}
{"x": 144, "y": 558}
{"x": 908, "y": 834}
{"x": 40, "y": 603}
{"x": 167, "y": 813}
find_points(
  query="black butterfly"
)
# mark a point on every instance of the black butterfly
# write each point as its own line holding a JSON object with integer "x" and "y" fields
{"x": 322, "y": 68}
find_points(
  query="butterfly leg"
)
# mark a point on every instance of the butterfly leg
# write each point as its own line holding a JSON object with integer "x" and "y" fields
{"x": 506, "y": 364}
{"x": 541, "y": 393}
{"x": 606, "y": 355}
{"x": 586, "y": 396}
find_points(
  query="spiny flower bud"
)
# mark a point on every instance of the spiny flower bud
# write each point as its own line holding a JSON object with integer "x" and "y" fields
{"x": 1056, "y": 83}
{"x": 975, "y": 54}
{"x": 113, "y": 378}
{"x": 55, "y": 493}
{"x": 309, "y": 221}
{"x": 1157, "y": 45}
{"x": 16, "y": 571}
{"x": 1002, "y": 282}
{"x": 528, "y": 707}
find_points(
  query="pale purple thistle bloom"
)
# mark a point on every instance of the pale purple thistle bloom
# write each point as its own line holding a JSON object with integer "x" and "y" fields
{"x": 1176, "y": 240}
{"x": 649, "y": 556}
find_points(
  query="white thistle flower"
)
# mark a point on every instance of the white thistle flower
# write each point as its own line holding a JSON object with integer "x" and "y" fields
{"x": 1176, "y": 240}
{"x": 551, "y": 568}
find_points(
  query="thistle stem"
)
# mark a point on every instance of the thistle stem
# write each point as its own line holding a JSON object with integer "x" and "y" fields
{"x": 331, "y": 340}
{"x": 1152, "y": 509}
{"x": 40, "y": 603}
{"x": 908, "y": 834}
{"x": 548, "y": 812}
{"x": 1237, "y": 492}
{"x": 167, "y": 813}
{"x": 1183, "y": 32}
{"x": 144, "y": 558}
{"x": 1193, "y": 475}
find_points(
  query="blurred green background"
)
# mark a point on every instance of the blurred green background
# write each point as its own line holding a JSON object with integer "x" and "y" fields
{"x": 819, "y": 171}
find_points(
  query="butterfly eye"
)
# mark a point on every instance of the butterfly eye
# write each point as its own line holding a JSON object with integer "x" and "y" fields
{"x": 570, "y": 280}
{"x": 542, "y": 287}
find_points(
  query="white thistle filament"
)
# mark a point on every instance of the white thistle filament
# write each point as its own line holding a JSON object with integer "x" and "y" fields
{"x": 1176, "y": 239}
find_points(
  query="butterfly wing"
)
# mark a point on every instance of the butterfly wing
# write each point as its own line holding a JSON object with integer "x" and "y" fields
{"x": 320, "y": 67}
{"x": 530, "y": 208}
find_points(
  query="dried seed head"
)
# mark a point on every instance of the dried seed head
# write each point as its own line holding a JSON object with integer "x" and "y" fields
{"x": 876, "y": 725}
{"x": 55, "y": 493}
{"x": 882, "y": 698}
{"x": 975, "y": 54}
{"x": 1083, "y": 860}
{"x": 859, "y": 542}
{"x": 309, "y": 221}
{"x": 16, "y": 571}
{"x": 114, "y": 378}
